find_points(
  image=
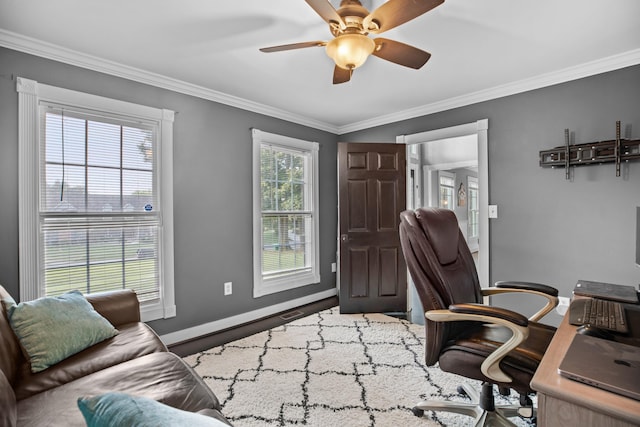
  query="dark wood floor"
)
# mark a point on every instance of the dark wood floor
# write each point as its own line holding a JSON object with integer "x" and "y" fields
{"x": 213, "y": 340}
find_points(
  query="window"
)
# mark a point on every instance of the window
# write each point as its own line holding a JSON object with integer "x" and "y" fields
{"x": 285, "y": 210}
{"x": 473, "y": 229}
{"x": 102, "y": 217}
{"x": 447, "y": 181}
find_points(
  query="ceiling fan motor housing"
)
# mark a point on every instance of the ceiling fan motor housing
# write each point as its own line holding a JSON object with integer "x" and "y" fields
{"x": 350, "y": 26}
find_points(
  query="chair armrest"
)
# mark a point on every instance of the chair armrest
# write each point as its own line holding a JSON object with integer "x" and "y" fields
{"x": 517, "y": 323}
{"x": 529, "y": 286}
{"x": 485, "y": 310}
{"x": 118, "y": 307}
{"x": 548, "y": 292}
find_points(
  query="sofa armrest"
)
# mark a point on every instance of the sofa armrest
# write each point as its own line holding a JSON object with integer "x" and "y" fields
{"x": 8, "y": 405}
{"x": 118, "y": 307}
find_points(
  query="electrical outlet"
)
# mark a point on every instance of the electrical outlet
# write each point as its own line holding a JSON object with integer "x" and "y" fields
{"x": 228, "y": 288}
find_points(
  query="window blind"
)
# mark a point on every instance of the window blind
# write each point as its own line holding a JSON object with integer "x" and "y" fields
{"x": 99, "y": 212}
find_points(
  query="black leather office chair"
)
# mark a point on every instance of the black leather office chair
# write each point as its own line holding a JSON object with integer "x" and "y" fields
{"x": 494, "y": 345}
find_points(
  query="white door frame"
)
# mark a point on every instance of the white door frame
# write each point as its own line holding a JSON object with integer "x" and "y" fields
{"x": 480, "y": 128}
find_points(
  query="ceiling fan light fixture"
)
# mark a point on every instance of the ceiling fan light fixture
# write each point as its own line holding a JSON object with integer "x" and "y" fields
{"x": 349, "y": 51}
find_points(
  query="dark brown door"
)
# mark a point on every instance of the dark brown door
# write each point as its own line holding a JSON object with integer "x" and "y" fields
{"x": 371, "y": 194}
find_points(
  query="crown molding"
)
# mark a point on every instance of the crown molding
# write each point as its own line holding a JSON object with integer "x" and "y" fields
{"x": 587, "y": 69}
{"x": 57, "y": 53}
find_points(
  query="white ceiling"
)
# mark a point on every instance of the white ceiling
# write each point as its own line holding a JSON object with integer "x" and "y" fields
{"x": 480, "y": 49}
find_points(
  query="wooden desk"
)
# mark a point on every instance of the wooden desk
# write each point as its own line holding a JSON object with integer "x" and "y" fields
{"x": 563, "y": 402}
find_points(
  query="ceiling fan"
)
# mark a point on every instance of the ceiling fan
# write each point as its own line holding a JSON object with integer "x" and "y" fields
{"x": 350, "y": 25}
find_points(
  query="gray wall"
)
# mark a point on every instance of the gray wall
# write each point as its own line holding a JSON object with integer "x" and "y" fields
{"x": 551, "y": 230}
{"x": 212, "y": 189}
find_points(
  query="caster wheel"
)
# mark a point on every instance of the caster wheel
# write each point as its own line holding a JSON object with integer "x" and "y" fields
{"x": 417, "y": 412}
{"x": 461, "y": 391}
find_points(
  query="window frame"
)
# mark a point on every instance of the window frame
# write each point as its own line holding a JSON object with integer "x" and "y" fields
{"x": 472, "y": 187}
{"x": 262, "y": 286}
{"x": 30, "y": 96}
{"x": 452, "y": 189}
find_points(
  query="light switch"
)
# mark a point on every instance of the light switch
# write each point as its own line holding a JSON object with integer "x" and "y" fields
{"x": 493, "y": 211}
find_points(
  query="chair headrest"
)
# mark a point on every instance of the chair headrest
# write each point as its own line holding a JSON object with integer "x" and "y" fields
{"x": 441, "y": 229}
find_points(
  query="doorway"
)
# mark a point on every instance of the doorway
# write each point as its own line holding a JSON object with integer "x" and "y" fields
{"x": 438, "y": 162}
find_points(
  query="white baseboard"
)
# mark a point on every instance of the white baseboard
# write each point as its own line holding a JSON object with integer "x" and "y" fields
{"x": 230, "y": 322}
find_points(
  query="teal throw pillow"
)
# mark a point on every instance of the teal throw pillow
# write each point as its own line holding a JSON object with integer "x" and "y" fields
{"x": 51, "y": 329}
{"x": 124, "y": 410}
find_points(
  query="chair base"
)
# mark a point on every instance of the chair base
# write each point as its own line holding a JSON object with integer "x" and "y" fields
{"x": 482, "y": 407}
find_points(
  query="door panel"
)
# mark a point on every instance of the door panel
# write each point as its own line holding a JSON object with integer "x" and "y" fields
{"x": 371, "y": 187}
{"x": 357, "y": 205}
{"x": 388, "y": 259}
{"x": 387, "y": 205}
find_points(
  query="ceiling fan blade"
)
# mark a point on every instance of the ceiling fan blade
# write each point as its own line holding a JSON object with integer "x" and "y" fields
{"x": 327, "y": 12}
{"x": 397, "y": 12}
{"x": 400, "y": 53}
{"x": 340, "y": 75}
{"x": 292, "y": 46}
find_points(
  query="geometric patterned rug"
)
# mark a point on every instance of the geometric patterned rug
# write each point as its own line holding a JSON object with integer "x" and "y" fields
{"x": 331, "y": 369}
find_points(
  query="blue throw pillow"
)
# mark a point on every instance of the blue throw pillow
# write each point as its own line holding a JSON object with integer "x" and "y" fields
{"x": 123, "y": 410}
{"x": 51, "y": 329}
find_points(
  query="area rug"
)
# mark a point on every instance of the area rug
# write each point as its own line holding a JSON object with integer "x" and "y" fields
{"x": 331, "y": 369}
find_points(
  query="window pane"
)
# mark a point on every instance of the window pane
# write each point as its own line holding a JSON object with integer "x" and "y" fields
{"x": 65, "y": 259}
{"x": 446, "y": 197}
{"x": 137, "y": 148}
{"x": 283, "y": 166}
{"x": 73, "y": 132}
{"x": 447, "y": 184}
{"x": 137, "y": 188}
{"x": 101, "y": 259}
{"x": 64, "y": 189}
{"x": 473, "y": 213}
{"x": 268, "y": 195}
{"x": 284, "y": 199}
{"x": 103, "y": 144}
{"x": 285, "y": 243}
{"x": 283, "y": 180}
{"x": 297, "y": 197}
{"x": 445, "y": 180}
{"x": 268, "y": 181}
{"x": 103, "y": 188}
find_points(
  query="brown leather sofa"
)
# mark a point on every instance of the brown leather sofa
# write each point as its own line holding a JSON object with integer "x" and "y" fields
{"x": 135, "y": 362}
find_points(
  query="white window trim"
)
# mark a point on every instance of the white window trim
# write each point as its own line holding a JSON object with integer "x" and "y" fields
{"x": 452, "y": 176}
{"x": 30, "y": 93}
{"x": 470, "y": 180}
{"x": 260, "y": 286}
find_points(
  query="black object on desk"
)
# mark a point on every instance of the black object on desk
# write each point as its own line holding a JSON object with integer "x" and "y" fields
{"x": 599, "y": 313}
{"x": 608, "y": 291}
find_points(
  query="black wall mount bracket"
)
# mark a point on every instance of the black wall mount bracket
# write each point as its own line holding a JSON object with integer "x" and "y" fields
{"x": 613, "y": 151}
